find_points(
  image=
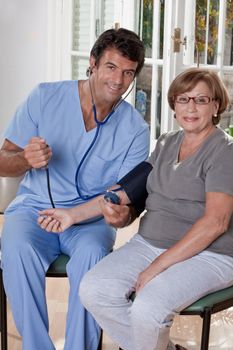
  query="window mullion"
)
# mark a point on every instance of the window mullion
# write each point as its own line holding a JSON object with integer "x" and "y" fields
{"x": 92, "y": 23}
{"x": 154, "y": 82}
{"x": 55, "y": 9}
{"x": 221, "y": 33}
{"x": 189, "y": 32}
{"x": 169, "y": 62}
{"x": 66, "y": 38}
{"x": 207, "y": 31}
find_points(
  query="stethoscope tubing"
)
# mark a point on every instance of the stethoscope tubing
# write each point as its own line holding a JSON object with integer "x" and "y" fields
{"x": 77, "y": 174}
{"x": 98, "y": 125}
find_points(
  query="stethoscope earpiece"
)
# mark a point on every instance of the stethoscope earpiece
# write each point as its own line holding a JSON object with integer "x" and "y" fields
{"x": 89, "y": 71}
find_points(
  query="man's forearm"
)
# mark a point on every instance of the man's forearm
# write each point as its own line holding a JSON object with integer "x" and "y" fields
{"x": 93, "y": 209}
{"x": 12, "y": 163}
{"x": 86, "y": 211}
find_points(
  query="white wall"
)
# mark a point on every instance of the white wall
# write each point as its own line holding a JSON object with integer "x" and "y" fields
{"x": 23, "y": 52}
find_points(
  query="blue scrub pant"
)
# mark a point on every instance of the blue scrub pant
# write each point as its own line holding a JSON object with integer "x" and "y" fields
{"x": 27, "y": 252}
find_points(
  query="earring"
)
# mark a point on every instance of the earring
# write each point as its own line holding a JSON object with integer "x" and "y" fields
{"x": 215, "y": 115}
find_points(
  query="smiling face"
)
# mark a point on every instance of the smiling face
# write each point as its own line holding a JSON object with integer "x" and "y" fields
{"x": 112, "y": 76}
{"x": 193, "y": 117}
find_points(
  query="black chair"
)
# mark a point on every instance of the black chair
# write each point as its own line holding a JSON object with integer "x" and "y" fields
{"x": 205, "y": 307}
{"x": 3, "y": 318}
{"x": 56, "y": 269}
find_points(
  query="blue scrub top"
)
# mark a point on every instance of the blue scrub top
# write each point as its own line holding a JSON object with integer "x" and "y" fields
{"x": 53, "y": 111}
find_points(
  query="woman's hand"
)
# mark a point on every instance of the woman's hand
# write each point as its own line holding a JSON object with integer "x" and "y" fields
{"x": 144, "y": 277}
{"x": 153, "y": 270}
{"x": 55, "y": 220}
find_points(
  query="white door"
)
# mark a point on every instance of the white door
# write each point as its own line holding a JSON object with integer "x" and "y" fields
{"x": 182, "y": 34}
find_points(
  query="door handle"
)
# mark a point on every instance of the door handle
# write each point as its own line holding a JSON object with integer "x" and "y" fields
{"x": 177, "y": 40}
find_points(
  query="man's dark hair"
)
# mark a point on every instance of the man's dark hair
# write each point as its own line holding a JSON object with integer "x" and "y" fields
{"x": 125, "y": 41}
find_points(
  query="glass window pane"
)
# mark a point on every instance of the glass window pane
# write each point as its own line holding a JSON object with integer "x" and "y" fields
{"x": 143, "y": 92}
{"x": 228, "y": 51}
{"x": 108, "y": 14}
{"x": 161, "y": 28}
{"x": 81, "y": 26}
{"x": 79, "y": 67}
{"x": 146, "y": 24}
{"x": 206, "y": 31}
{"x": 157, "y": 112}
{"x": 143, "y": 101}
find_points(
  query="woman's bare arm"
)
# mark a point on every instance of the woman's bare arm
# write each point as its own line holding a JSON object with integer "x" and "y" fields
{"x": 218, "y": 212}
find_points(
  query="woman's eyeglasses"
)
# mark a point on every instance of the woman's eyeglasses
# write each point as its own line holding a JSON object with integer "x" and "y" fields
{"x": 198, "y": 100}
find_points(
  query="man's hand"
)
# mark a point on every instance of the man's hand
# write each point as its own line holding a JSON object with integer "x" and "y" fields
{"x": 16, "y": 161}
{"x": 37, "y": 153}
{"x": 55, "y": 220}
{"x": 116, "y": 215}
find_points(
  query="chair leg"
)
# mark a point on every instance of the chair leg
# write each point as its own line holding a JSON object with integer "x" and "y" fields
{"x": 206, "y": 329}
{"x": 3, "y": 315}
{"x": 101, "y": 340}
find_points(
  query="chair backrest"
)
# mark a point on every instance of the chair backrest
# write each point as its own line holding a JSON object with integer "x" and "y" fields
{"x": 8, "y": 190}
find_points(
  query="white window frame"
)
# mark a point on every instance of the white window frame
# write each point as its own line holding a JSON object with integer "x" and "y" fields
{"x": 60, "y": 33}
{"x": 178, "y": 13}
{"x": 54, "y": 24}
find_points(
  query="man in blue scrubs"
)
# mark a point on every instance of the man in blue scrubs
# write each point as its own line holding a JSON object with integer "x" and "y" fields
{"x": 89, "y": 138}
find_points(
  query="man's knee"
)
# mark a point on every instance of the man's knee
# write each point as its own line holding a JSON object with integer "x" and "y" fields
{"x": 18, "y": 253}
{"x": 91, "y": 253}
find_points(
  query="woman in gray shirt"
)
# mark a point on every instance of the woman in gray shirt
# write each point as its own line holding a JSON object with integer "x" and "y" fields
{"x": 184, "y": 247}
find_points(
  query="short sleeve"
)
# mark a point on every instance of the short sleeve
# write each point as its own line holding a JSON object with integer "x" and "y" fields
{"x": 24, "y": 123}
{"x": 157, "y": 149}
{"x": 219, "y": 177}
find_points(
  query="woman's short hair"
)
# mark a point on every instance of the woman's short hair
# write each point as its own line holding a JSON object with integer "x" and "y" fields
{"x": 188, "y": 79}
{"x": 125, "y": 41}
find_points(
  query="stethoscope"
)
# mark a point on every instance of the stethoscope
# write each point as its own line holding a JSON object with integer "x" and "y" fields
{"x": 98, "y": 126}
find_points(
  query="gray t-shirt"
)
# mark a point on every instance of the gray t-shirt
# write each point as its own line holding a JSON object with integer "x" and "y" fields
{"x": 176, "y": 191}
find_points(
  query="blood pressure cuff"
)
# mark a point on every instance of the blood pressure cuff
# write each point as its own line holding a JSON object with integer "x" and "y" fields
{"x": 134, "y": 184}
